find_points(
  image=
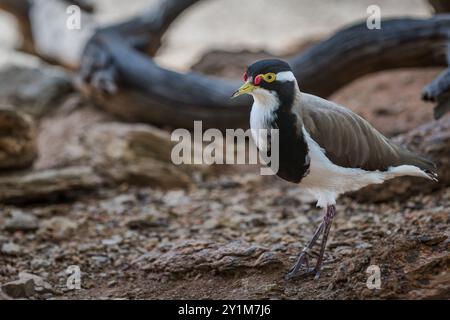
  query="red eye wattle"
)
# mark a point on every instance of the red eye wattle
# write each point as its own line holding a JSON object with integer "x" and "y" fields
{"x": 245, "y": 76}
{"x": 257, "y": 80}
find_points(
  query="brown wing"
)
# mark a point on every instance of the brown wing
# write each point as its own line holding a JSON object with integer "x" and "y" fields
{"x": 349, "y": 140}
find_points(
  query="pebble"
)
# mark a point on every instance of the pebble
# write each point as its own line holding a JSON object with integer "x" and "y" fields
{"x": 145, "y": 222}
{"x": 112, "y": 283}
{"x": 38, "y": 263}
{"x": 100, "y": 260}
{"x": 115, "y": 240}
{"x": 26, "y": 286}
{"x": 11, "y": 249}
{"x": 21, "y": 288}
{"x": 21, "y": 221}
{"x": 58, "y": 228}
{"x": 40, "y": 285}
{"x": 84, "y": 247}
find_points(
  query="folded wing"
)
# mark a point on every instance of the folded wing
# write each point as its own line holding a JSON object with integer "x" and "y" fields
{"x": 350, "y": 141}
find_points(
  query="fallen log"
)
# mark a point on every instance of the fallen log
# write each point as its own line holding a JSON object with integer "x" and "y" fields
{"x": 116, "y": 70}
{"x": 349, "y": 54}
{"x": 44, "y": 185}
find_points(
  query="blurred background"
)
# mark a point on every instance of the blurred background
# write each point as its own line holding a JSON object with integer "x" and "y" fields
{"x": 233, "y": 25}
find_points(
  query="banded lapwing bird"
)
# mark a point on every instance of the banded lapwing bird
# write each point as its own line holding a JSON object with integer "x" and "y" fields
{"x": 324, "y": 148}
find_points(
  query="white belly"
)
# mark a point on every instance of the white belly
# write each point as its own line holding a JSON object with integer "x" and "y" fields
{"x": 326, "y": 181}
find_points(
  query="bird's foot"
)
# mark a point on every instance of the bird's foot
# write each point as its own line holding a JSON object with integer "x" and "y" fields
{"x": 303, "y": 273}
{"x": 301, "y": 268}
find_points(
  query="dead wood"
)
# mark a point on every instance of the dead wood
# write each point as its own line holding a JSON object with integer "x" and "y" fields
{"x": 117, "y": 75}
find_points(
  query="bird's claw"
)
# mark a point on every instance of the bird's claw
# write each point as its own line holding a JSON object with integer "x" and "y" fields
{"x": 303, "y": 274}
{"x": 301, "y": 268}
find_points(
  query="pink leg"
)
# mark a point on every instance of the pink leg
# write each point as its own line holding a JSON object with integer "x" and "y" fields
{"x": 303, "y": 259}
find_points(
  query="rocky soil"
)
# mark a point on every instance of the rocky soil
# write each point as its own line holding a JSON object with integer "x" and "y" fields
{"x": 103, "y": 196}
{"x": 234, "y": 237}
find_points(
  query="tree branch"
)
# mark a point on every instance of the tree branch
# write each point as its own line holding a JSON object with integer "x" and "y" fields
{"x": 150, "y": 26}
{"x": 160, "y": 96}
{"x": 115, "y": 69}
{"x": 440, "y": 6}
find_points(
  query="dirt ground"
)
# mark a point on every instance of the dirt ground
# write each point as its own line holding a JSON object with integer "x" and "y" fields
{"x": 231, "y": 238}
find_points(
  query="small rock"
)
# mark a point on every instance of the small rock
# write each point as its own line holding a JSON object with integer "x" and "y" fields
{"x": 35, "y": 90}
{"x": 211, "y": 223}
{"x": 112, "y": 283}
{"x": 145, "y": 222}
{"x": 100, "y": 260}
{"x": 38, "y": 263}
{"x": 21, "y": 221}
{"x": 27, "y": 186}
{"x": 11, "y": 249}
{"x": 431, "y": 239}
{"x": 40, "y": 285}
{"x": 47, "y": 296}
{"x": 21, "y": 288}
{"x": 58, "y": 228}
{"x": 84, "y": 247}
{"x": 118, "y": 205}
{"x": 115, "y": 240}
{"x": 363, "y": 245}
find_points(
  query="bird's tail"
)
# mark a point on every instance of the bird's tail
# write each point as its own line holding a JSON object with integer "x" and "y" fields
{"x": 427, "y": 166}
{"x": 423, "y": 167}
{"x": 432, "y": 175}
{"x": 410, "y": 170}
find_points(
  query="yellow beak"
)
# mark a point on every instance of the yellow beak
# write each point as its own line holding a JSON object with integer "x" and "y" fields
{"x": 245, "y": 88}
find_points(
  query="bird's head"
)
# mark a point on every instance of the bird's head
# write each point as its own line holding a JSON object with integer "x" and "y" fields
{"x": 267, "y": 78}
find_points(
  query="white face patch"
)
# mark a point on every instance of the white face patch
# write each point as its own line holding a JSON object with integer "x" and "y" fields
{"x": 285, "y": 76}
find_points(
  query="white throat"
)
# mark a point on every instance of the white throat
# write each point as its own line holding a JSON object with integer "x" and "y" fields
{"x": 262, "y": 115}
{"x": 265, "y": 99}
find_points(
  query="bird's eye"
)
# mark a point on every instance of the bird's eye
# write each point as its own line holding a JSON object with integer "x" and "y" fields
{"x": 245, "y": 76}
{"x": 257, "y": 80}
{"x": 270, "y": 77}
